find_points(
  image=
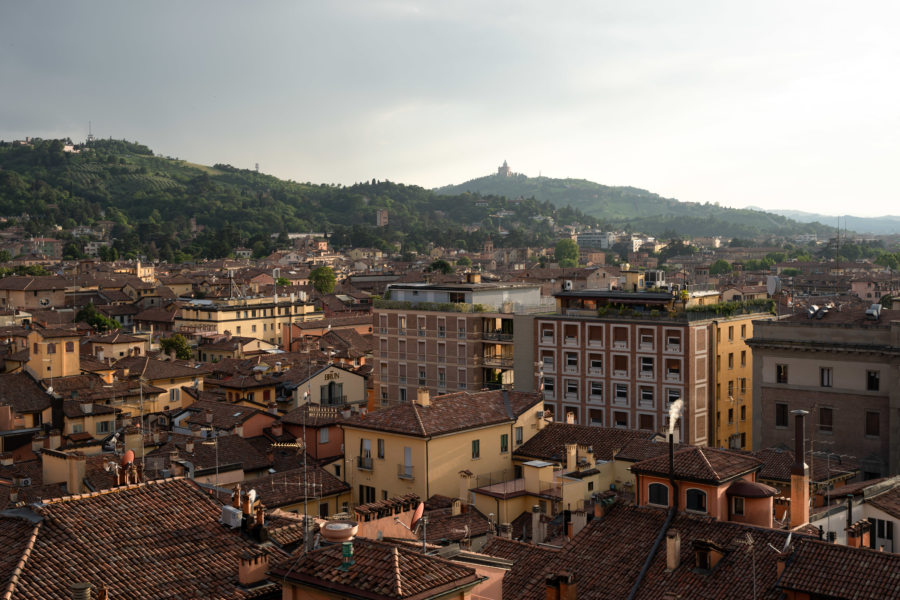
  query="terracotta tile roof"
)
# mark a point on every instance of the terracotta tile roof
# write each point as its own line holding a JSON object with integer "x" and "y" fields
{"x": 380, "y": 571}
{"x": 608, "y": 554}
{"x": 448, "y": 413}
{"x": 233, "y": 449}
{"x": 777, "y": 466}
{"x": 50, "y": 282}
{"x": 638, "y": 450}
{"x": 312, "y": 416}
{"x": 888, "y": 501}
{"x": 825, "y": 570}
{"x": 161, "y": 539}
{"x": 151, "y": 369}
{"x": 701, "y": 464}
{"x": 225, "y": 415}
{"x": 73, "y": 409}
{"x": 515, "y": 550}
{"x": 16, "y": 535}
{"x": 115, "y": 337}
{"x": 443, "y": 525}
{"x": 297, "y": 485}
{"x": 22, "y": 393}
{"x": 550, "y": 442}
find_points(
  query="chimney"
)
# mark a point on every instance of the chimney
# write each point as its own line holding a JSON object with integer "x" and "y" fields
{"x": 236, "y": 496}
{"x": 273, "y": 408}
{"x": 239, "y": 430}
{"x": 672, "y": 472}
{"x": 849, "y": 511}
{"x": 99, "y": 354}
{"x": 780, "y": 563}
{"x": 673, "y": 549}
{"x": 456, "y": 507}
{"x": 253, "y": 567}
{"x": 799, "y": 475}
{"x": 570, "y": 418}
{"x": 189, "y": 446}
{"x": 561, "y": 586}
{"x": 37, "y": 443}
{"x": 80, "y": 591}
{"x": 571, "y": 457}
{"x": 196, "y": 431}
{"x": 209, "y": 416}
{"x": 257, "y": 376}
{"x": 87, "y": 407}
{"x": 13, "y": 495}
{"x": 423, "y": 397}
{"x": 55, "y": 439}
{"x": 277, "y": 429}
{"x": 506, "y": 530}
{"x": 75, "y": 463}
{"x": 464, "y": 485}
{"x": 577, "y": 522}
{"x": 537, "y": 528}
{"x": 6, "y": 459}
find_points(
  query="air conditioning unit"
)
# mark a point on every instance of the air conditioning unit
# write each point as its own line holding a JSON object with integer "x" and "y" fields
{"x": 540, "y": 414}
{"x": 231, "y": 516}
{"x": 25, "y": 482}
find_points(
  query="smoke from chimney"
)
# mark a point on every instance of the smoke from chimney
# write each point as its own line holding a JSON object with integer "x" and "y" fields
{"x": 674, "y": 412}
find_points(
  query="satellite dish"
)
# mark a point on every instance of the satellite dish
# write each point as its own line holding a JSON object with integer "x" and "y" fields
{"x": 45, "y": 301}
{"x": 128, "y": 458}
{"x": 107, "y": 466}
{"x": 251, "y": 496}
{"x": 773, "y": 285}
{"x": 417, "y": 515}
{"x": 787, "y": 543}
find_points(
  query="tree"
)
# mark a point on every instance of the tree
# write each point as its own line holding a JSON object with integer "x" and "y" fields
{"x": 720, "y": 267}
{"x": 93, "y": 317}
{"x": 5, "y": 256}
{"x": 464, "y": 261}
{"x": 323, "y": 279}
{"x": 441, "y": 265}
{"x": 177, "y": 344}
{"x": 282, "y": 281}
{"x": 566, "y": 249}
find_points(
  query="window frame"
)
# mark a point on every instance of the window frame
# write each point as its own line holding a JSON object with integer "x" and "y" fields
{"x": 658, "y": 487}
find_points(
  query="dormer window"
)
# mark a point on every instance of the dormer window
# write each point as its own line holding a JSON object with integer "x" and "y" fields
{"x": 695, "y": 500}
{"x": 658, "y": 494}
{"x": 707, "y": 555}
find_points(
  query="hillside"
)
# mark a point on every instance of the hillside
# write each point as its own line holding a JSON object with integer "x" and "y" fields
{"x": 637, "y": 209}
{"x": 176, "y": 210}
{"x": 884, "y": 225}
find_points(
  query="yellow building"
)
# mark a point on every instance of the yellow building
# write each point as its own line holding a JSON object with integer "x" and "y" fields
{"x": 161, "y": 381}
{"x": 260, "y": 317}
{"x": 732, "y": 390}
{"x": 422, "y": 447}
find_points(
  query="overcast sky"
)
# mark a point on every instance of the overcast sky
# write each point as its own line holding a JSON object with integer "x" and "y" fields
{"x": 773, "y": 104}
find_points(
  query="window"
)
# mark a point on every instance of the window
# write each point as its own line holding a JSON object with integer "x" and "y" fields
{"x": 366, "y": 494}
{"x": 620, "y": 418}
{"x": 596, "y": 390}
{"x": 70, "y": 347}
{"x": 104, "y": 426}
{"x": 673, "y": 342}
{"x": 873, "y": 426}
{"x": 646, "y": 338}
{"x": 253, "y": 328}
{"x": 571, "y": 387}
{"x": 77, "y": 427}
{"x": 672, "y": 396}
{"x": 51, "y": 348}
{"x": 730, "y": 333}
{"x": 380, "y": 448}
{"x": 743, "y": 385}
{"x": 596, "y": 415}
{"x": 646, "y": 395}
{"x": 323, "y": 435}
{"x": 737, "y": 505}
{"x": 548, "y": 385}
{"x": 743, "y": 358}
{"x": 646, "y": 365}
{"x": 826, "y": 377}
{"x": 872, "y": 382}
{"x": 504, "y": 442}
{"x": 781, "y": 373}
{"x": 731, "y": 389}
{"x": 520, "y": 433}
{"x": 825, "y": 419}
{"x": 621, "y": 392}
{"x": 646, "y": 422}
{"x": 731, "y": 360}
{"x": 422, "y": 375}
{"x": 174, "y": 395}
{"x": 658, "y": 494}
{"x": 476, "y": 449}
{"x": 743, "y": 331}
{"x": 596, "y": 363}
{"x": 743, "y": 413}
{"x": 571, "y": 361}
{"x": 695, "y": 499}
{"x": 547, "y": 361}
{"x": 781, "y": 414}
{"x": 730, "y": 416}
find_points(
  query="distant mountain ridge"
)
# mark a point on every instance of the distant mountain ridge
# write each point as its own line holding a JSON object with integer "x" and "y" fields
{"x": 638, "y": 209}
{"x": 884, "y": 225}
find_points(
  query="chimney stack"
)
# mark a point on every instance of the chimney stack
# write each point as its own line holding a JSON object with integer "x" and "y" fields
{"x": 456, "y": 507}
{"x": 799, "y": 474}
{"x": 253, "y": 567}
{"x": 80, "y": 591}
{"x": 423, "y": 397}
{"x": 6, "y": 459}
{"x": 537, "y": 527}
{"x": 571, "y": 457}
{"x": 277, "y": 429}
{"x": 74, "y": 481}
{"x": 673, "y": 549}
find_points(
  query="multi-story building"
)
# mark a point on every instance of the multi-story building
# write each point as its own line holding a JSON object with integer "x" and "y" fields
{"x": 732, "y": 394}
{"x": 620, "y": 359}
{"x": 447, "y": 337}
{"x": 260, "y": 317}
{"x": 842, "y": 367}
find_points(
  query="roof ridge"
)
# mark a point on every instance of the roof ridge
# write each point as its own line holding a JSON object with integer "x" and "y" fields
{"x": 20, "y": 566}
{"x": 419, "y": 418}
{"x": 708, "y": 464}
{"x": 397, "y": 573}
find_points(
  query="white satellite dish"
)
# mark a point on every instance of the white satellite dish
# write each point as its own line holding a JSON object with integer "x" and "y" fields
{"x": 773, "y": 285}
{"x": 251, "y": 496}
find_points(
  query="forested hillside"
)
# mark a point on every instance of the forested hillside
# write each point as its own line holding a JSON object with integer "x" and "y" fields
{"x": 637, "y": 209}
{"x": 154, "y": 199}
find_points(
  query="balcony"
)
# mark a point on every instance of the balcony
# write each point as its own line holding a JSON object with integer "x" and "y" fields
{"x": 547, "y": 340}
{"x": 405, "y": 472}
{"x": 646, "y": 346}
{"x": 401, "y": 331}
{"x": 570, "y": 341}
{"x": 620, "y": 373}
{"x": 496, "y": 336}
{"x": 503, "y": 362}
{"x": 402, "y": 379}
{"x": 364, "y": 463}
{"x": 571, "y": 368}
{"x": 383, "y": 330}
{"x": 421, "y": 333}
{"x": 548, "y": 367}
{"x": 620, "y": 345}
{"x": 674, "y": 376}
{"x": 595, "y": 371}
{"x": 673, "y": 347}
{"x": 647, "y": 374}
{"x": 571, "y": 395}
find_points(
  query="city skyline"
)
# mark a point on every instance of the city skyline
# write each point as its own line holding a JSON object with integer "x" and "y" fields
{"x": 766, "y": 105}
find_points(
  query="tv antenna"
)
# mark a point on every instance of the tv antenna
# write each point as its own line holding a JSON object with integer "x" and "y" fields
{"x": 90, "y": 137}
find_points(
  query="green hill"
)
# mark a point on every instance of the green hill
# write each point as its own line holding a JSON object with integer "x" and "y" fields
{"x": 637, "y": 209}
{"x": 176, "y": 210}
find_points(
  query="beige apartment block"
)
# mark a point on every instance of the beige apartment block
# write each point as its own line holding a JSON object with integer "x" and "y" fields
{"x": 261, "y": 317}
{"x": 842, "y": 367}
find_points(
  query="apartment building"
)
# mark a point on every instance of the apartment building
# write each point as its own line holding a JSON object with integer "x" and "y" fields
{"x": 842, "y": 367}
{"x": 447, "y": 337}
{"x": 620, "y": 359}
{"x": 260, "y": 317}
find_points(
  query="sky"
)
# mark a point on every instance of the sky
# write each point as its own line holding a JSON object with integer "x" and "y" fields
{"x": 779, "y": 105}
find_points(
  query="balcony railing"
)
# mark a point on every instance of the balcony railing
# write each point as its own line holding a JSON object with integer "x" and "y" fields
{"x": 497, "y": 336}
{"x": 673, "y": 376}
{"x": 646, "y": 374}
{"x": 405, "y": 472}
{"x": 497, "y": 361}
{"x": 364, "y": 463}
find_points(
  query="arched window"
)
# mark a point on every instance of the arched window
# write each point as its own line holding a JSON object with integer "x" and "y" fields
{"x": 659, "y": 494}
{"x": 696, "y": 500}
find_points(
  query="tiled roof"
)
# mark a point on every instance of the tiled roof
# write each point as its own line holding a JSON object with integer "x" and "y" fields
{"x": 33, "y": 283}
{"x": 448, "y": 413}
{"x": 825, "y": 570}
{"x": 22, "y": 393}
{"x": 311, "y": 415}
{"x": 700, "y": 464}
{"x": 161, "y": 539}
{"x": 443, "y": 525}
{"x": 116, "y": 337}
{"x": 550, "y": 442}
{"x": 777, "y": 465}
{"x": 888, "y": 501}
{"x": 73, "y": 409}
{"x": 608, "y": 554}
{"x": 232, "y": 449}
{"x": 151, "y": 369}
{"x": 297, "y": 485}
{"x": 641, "y": 449}
{"x": 225, "y": 415}
{"x": 380, "y": 571}
{"x": 515, "y": 550}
